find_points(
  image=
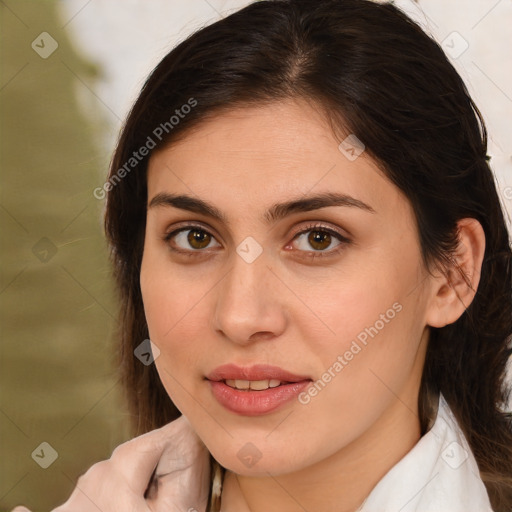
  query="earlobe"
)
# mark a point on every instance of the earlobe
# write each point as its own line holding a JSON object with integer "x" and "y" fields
{"x": 455, "y": 289}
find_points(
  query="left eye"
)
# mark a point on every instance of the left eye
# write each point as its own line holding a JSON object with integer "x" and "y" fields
{"x": 319, "y": 239}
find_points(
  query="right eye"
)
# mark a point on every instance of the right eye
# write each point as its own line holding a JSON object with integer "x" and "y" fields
{"x": 190, "y": 239}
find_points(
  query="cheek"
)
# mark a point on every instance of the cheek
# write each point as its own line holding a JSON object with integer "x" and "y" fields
{"x": 369, "y": 334}
{"x": 359, "y": 303}
{"x": 174, "y": 310}
{"x": 171, "y": 295}
{"x": 365, "y": 364}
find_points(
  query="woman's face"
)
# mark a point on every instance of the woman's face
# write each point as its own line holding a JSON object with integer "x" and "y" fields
{"x": 334, "y": 293}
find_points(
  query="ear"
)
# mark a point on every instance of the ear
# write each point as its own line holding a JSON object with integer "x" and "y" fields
{"x": 454, "y": 290}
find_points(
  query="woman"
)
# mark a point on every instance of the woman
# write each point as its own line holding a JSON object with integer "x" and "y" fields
{"x": 304, "y": 223}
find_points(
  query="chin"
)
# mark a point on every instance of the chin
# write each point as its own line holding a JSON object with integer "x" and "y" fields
{"x": 249, "y": 460}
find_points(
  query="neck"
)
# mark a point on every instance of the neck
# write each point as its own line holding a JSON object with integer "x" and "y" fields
{"x": 339, "y": 483}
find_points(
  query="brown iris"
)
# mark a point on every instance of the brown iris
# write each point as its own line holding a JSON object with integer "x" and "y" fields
{"x": 318, "y": 239}
{"x": 199, "y": 237}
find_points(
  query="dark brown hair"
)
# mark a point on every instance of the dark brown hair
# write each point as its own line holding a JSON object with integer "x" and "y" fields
{"x": 376, "y": 74}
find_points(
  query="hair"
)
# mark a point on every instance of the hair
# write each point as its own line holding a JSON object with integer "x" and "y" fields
{"x": 374, "y": 73}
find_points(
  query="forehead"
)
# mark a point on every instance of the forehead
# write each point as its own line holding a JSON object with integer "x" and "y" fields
{"x": 265, "y": 154}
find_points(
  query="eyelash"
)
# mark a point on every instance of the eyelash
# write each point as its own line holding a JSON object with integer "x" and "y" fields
{"x": 310, "y": 254}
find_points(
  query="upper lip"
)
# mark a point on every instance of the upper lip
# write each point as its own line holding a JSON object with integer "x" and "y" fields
{"x": 255, "y": 372}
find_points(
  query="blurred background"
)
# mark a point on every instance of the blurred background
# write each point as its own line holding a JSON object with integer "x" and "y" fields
{"x": 70, "y": 70}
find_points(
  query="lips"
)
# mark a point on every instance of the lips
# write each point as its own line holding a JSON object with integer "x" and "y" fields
{"x": 254, "y": 402}
{"x": 253, "y": 373}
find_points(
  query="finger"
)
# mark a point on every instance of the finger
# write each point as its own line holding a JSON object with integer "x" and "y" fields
{"x": 182, "y": 449}
{"x": 182, "y": 475}
{"x": 20, "y": 508}
{"x": 103, "y": 489}
{"x": 122, "y": 478}
{"x": 120, "y": 482}
{"x": 136, "y": 459}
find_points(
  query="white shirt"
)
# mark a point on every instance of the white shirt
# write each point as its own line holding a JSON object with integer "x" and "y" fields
{"x": 439, "y": 474}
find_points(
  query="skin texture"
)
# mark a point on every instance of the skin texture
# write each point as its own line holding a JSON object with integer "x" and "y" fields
{"x": 292, "y": 311}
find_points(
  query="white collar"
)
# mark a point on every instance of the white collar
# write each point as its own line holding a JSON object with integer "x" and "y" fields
{"x": 439, "y": 474}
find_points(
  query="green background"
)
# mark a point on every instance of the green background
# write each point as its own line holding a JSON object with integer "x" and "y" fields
{"x": 58, "y": 381}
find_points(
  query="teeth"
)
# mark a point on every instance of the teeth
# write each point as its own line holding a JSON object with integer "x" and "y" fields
{"x": 241, "y": 384}
{"x": 257, "y": 385}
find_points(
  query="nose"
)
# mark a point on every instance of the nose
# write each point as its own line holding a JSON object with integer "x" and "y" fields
{"x": 248, "y": 302}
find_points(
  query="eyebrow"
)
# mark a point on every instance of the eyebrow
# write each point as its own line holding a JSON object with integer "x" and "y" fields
{"x": 275, "y": 212}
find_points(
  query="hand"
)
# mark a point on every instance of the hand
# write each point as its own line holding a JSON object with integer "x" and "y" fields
{"x": 173, "y": 454}
{"x": 181, "y": 481}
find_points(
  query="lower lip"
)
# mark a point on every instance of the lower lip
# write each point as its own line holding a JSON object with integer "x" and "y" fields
{"x": 254, "y": 403}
